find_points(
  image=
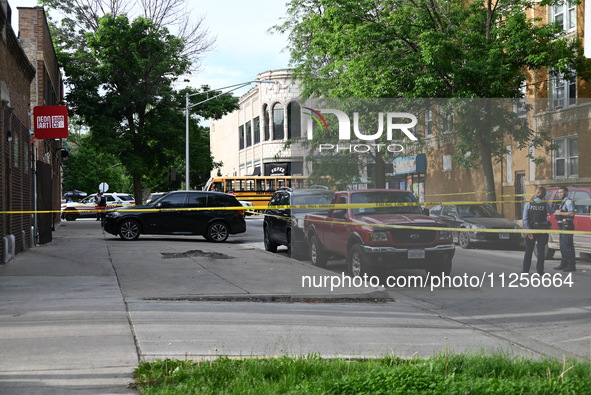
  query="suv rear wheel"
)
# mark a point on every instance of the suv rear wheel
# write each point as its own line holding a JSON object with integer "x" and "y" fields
{"x": 217, "y": 232}
{"x": 269, "y": 244}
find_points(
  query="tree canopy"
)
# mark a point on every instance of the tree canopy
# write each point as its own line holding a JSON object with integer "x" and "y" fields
{"x": 432, "y": 49}
{"x": 121, "y": 84}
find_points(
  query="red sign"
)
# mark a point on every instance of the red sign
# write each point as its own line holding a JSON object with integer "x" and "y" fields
{"x": 51, "y": 122}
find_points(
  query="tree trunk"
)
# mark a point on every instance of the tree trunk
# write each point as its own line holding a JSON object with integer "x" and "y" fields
{"x": 137, "y": 189}
{"x": 486, "y": 157}
{"x": 380, "y": 171}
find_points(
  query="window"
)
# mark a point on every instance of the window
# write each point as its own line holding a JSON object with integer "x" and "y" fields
{"x": 294, "y": 127}
{"x": 582, "y": 202}
{"x": 197, "y": 200}
{"x": 428, "y": 123}
{"x": 565, "y": 159}
{"x": 564, "y": 15}
{"x": 278, "y": 121}
{"x": 564, "y": 91}
{"x": 229, "y": 185}
{"x": 447, "y": 121}
{"x": 248, "y": 134}
{"x": 447, "y": 163}
{"x": 174, "y": 200}
{"x": 509, "y": 163}
{"x": 257, "y": 130}
{"x": 266, "y": 117}
{"x": 241, "y": 137}
{"x": 436, "y": 210}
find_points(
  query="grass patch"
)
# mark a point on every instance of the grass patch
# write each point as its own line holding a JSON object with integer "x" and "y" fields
{"x": 445, "y": 374}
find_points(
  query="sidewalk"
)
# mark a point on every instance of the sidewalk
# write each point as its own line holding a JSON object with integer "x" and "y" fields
{"x": 64, "y": 324}
{"x": 64, "y": 319}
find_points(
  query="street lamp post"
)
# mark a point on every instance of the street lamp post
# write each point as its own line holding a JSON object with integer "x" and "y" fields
{"x": 188, "y": 106}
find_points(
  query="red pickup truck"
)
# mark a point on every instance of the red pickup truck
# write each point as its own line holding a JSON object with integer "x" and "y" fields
{"x": 366, "y": 238}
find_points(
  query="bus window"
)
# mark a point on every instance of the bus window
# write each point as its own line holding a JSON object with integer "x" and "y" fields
{"x": 250, "y": 185}
{"x": 229, "y": 185}
{"x": 280, "y": 183}
{"x": 270, "y": 185}
{"x": 217, "y": 186}
{"x": 260, "y": 185}
{"x": 239, "y": 185}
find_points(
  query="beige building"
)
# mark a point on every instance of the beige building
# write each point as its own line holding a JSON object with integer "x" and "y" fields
{"x": 251, "y": 140}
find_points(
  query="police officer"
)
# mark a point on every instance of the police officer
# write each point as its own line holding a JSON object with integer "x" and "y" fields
{"x": 565, "y": 216}
{"x": 535, "y": 216}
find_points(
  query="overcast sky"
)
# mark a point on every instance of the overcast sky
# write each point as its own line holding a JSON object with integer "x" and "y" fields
{"x": 243, "y": 47}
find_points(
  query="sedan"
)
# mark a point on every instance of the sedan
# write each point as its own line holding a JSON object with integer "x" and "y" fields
{"x": 478, "y": 216}
{"x": 180, "y": 213}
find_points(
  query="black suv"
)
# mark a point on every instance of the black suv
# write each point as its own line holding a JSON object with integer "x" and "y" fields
{"x": 174, "y": 214}
{"x": 285, "y": 226}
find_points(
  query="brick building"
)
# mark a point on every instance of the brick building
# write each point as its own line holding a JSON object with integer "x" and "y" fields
{"x": 16, "y": 75}
{"x": 30, "y": 169}
{"x": 46, "y": 90}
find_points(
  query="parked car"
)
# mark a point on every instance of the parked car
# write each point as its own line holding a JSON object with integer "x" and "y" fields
{"x": 86, "y": 208}
{"x": 478, "y": 216}
{"x": 285, "y": 226}
{"x": 247, "y": 206}
{"x": 171, "y": 214}
{"x": 392, "y": 232}
{"x": 582, "y": 220}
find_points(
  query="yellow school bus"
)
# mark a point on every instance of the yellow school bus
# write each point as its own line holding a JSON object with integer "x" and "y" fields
{"x": 257, "y": 190}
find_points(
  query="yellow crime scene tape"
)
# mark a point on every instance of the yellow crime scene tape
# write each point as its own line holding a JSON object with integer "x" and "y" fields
{"x": 342, "y": 206}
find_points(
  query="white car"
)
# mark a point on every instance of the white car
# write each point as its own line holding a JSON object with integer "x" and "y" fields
{"x": 246, "y": 205}
{"x": 86, "y": 208}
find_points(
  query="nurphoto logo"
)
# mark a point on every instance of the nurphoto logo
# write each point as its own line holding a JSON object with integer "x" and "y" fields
{"x": 394, "y": 124}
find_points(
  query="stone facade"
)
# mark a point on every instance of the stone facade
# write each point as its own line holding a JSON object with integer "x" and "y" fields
{"x": 256, "y": 156}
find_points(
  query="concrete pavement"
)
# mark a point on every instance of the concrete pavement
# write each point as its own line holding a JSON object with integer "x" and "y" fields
{"x": 78, "y": 314}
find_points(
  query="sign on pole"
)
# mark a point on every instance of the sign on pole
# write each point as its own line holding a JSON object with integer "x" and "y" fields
{"x": 103, "y": 187}
{"x": 51, "y": 122}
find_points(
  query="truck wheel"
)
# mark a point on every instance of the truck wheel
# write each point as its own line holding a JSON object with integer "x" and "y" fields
{"x": 464, "y": 239}
{"x": 269, "y": 245}
{"x": 356, "y": 261}
{"x": 317, "y": 256}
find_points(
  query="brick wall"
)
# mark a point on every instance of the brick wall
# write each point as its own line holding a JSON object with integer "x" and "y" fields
{"x": 16, "y": 75}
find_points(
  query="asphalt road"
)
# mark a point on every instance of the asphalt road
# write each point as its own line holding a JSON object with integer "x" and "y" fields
{"x": 486, "y": 291}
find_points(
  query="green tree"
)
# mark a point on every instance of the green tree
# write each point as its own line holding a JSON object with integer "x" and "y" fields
{"x": 121, "y": 85}
{"x": 432, "y": 49}
{"x": 85, "y": 168}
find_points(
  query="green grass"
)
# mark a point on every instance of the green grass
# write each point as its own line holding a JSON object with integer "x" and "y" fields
{"x": 446, "y": 374}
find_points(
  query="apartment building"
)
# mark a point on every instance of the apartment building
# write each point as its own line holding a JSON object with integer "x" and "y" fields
{"x": 31, "y": 169}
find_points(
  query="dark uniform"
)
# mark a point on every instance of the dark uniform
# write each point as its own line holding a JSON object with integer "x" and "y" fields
{"x": 535, "y": 217}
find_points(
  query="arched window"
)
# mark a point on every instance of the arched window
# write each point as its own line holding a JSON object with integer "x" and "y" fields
{"x": 294, "y": 121}
{"x": 278, "y": 121}
{"x": 266, "y": 117}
